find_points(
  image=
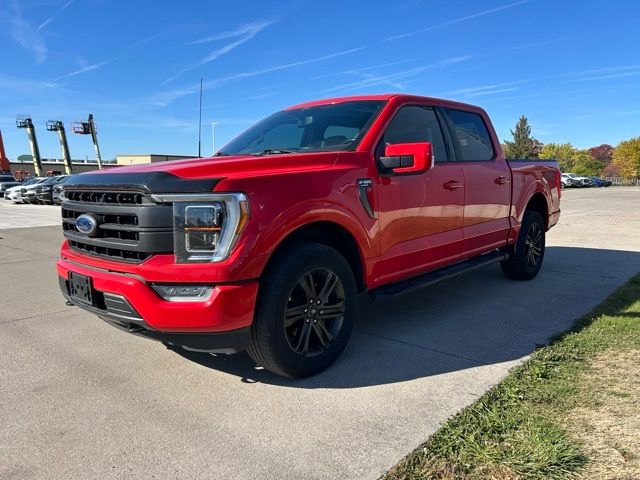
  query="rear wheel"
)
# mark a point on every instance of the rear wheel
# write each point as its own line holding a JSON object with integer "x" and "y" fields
{"x": 525, "y": 262}
{"x": 305, "y": 311}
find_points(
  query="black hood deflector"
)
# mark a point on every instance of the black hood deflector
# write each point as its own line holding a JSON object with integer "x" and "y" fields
{"x": 151, "y": 182}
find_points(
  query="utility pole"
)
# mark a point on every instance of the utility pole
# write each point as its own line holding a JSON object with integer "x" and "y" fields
{"x": 58, "y": 126}
{"x": 24, "y": 121}
{"x": 89, "y": 128}
{"x": 213, "y": 137}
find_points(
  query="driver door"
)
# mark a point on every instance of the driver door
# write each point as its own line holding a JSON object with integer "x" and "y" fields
{"x": 420, "y": 215}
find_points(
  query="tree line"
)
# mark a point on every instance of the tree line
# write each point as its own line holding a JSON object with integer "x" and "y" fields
{"x": 605, "y": 160}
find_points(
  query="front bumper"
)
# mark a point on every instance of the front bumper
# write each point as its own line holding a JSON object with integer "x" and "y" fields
{"x": 44, "y": 197}
{"x": 127, "y": 301}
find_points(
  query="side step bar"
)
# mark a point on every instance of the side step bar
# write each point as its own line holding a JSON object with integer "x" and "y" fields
{"x": 392, "y": 291}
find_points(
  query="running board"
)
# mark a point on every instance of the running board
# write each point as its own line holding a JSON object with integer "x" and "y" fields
{"x": 392, "y": 291}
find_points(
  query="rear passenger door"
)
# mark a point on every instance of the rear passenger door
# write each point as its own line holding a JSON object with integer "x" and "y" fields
{"x": 487, "y": 182}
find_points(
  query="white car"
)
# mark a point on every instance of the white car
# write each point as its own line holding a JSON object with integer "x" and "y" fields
{"x": 14, "y": 194}
{"x": 573, "y": 180}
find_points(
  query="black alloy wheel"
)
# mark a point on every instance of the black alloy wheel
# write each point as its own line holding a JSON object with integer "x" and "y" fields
{"x": 525, "y": 258}
{"x": 533, "y": 245}
{"x": 314, "y": 312}
{"x": 306, "y": 307}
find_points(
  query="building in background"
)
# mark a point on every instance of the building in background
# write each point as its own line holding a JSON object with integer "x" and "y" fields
{"x": 23, "y": 166}
{"x": 135, "y": 159}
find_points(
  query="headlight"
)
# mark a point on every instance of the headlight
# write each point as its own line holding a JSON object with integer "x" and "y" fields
{"x": 206, "y": 227}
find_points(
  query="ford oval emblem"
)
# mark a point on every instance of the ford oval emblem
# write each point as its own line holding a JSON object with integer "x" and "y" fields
{"x": 87, "y": 224}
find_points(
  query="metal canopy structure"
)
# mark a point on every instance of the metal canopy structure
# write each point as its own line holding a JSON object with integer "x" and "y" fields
{"x": 89, "y": 128}
{"x": 58, "y": 126}
{"x": 24, "y": 121}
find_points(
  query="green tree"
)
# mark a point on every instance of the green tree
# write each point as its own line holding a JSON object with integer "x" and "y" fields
{"x": 584, "y": 164}
{"x": 626, "y": 157}
{"x": 523, "y": 144}
{"x": 564, "y": 153}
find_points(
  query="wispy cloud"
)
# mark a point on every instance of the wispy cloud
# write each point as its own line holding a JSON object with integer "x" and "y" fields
{"x": 602, "y": 73}
{"x": 396, "y": 79}
{"x": 237, "y": 32}
{"x": 86, "y": 68}
{"x": 125, "y": 51}
{"x": 27, "y": 85}
{"x": 602, "y": 70}
{"x": 360, "y": 70}
{"x": 242, "y": 34}
{"x": 607, "y": 76}
{"x": 478, "y": 91}
{"x": 457, "y": 20}
{"x": 525, "y": 46}
{"x": 58, "y": 12}
{"x": 26, "y": 35}
{"x": 164, "y": 98}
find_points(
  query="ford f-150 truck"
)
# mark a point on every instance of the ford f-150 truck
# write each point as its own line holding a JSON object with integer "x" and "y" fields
{"x": 266, "y": 245}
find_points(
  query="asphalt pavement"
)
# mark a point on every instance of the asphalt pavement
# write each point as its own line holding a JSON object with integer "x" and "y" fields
{"x": 80, "y": 399}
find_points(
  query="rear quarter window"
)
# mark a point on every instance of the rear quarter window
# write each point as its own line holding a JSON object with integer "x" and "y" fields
{"x": 472, "y": 135}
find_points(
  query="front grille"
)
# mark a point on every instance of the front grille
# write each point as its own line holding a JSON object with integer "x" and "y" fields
{"x": 112, "y": 253}
{"x": 131, "y": 227}
{"x": 115, "y": 198}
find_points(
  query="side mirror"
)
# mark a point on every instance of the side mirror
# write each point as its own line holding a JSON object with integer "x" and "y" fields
{"x": 408, "y": 158}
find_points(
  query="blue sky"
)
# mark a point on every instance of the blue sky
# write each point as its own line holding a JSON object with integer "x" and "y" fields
{"x": 572, "y": 67}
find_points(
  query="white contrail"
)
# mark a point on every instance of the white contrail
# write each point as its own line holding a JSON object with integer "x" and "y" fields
{"x": 457, "y": 20}
{"x": 60, "y": 10}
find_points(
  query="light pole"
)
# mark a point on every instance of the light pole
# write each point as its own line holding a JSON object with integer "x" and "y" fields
{"x": 213, "y": 136}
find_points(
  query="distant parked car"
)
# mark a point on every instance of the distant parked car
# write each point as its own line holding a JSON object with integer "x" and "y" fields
{"x": 6, "y": 182}
{"x": 30, "y": 194}
{"x": 600, "y": 182}
{"x": 14, "y": 194}
{"x": 56, "y": 194}
{"x": 44, "y": 190}
{"x": 573, "y": 180}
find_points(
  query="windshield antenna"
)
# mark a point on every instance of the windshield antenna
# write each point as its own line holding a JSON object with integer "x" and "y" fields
{"x": 200, "y": 123}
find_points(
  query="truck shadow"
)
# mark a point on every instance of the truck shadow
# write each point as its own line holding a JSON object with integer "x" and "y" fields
{"x": 477, "y": 319}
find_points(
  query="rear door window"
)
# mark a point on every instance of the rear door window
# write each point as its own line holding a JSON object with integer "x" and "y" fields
{"x": 472, "y": 136}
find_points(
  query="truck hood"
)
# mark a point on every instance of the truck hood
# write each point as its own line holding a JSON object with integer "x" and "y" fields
{"x": 200, "y": 174}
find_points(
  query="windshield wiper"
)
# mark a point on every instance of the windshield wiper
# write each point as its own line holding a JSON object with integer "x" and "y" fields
{"x": 221, "y": 154}
{"x": 270, "y": 151}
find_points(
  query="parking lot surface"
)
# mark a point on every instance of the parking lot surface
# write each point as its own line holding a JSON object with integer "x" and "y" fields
{"x": 80, "y": 399}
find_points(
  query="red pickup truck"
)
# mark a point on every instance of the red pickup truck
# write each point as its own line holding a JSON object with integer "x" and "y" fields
{"x": 266, "y": 245}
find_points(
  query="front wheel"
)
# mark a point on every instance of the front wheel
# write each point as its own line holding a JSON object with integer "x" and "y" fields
{"x": 524, "y": 263}
{"x": 305, "y": 311}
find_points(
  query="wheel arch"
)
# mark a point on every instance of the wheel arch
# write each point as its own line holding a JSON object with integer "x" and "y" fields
{"x": 327, "y": 233}
{"x": 538, "y": 203}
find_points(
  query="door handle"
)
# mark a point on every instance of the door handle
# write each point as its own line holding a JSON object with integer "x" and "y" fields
{"x": 501, "y": 180}
{"x": 452, "y": 185}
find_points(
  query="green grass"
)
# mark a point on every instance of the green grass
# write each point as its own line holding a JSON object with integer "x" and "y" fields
{"x": 518, "y": 429}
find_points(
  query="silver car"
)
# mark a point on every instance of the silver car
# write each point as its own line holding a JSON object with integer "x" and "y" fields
{"x": 14, "y": 194}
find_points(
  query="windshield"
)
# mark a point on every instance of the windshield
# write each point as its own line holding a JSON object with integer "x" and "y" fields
{"x": 50, "y": 181}
{"x": 322, "y": 128}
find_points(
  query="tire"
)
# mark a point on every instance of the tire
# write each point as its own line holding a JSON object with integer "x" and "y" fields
{"x": 291, "y": 336}
{"x": 525, "y": 262}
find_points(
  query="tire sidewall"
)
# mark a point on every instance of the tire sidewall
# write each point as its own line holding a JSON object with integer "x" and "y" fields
{"x": 530, "y": 218}
{"x": 272, "y": 300}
